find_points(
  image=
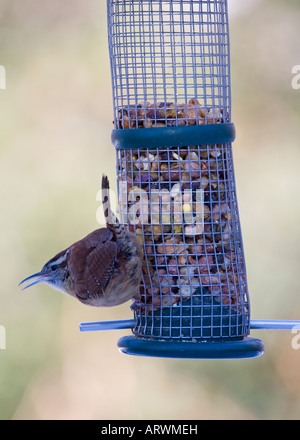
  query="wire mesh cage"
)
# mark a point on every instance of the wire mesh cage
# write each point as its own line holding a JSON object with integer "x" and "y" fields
{"x": 173, "y": 132}
{"x": 166, "y": 55}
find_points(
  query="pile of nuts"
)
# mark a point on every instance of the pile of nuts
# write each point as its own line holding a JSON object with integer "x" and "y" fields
{"x": 168, "y": 114}
{"x": 179, "y": 201}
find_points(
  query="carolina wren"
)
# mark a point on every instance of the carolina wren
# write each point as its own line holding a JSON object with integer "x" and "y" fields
{"x": 103, "y": 269}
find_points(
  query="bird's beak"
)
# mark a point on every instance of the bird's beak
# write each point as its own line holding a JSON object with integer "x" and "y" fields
{"x": 39, "y": 277}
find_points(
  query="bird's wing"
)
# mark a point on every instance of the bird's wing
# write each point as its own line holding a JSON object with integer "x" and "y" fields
{"x": 97, "y": 262}
{"x": 98, "y": 237}
{"x": 101, "y": 262}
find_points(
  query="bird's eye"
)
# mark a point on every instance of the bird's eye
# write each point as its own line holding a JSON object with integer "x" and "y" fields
{"x": 54, "y": 267}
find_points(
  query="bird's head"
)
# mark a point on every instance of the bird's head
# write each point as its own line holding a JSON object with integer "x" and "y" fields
{"x": 55, "y": 273}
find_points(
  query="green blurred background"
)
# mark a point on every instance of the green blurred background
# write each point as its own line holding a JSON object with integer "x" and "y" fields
{"x": 55, "y": 126}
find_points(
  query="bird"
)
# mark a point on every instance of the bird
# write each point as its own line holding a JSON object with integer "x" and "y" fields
{"x": 103, "y": 269}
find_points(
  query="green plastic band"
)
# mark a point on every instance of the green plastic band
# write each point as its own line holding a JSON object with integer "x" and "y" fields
{"x": 164, "y": 137}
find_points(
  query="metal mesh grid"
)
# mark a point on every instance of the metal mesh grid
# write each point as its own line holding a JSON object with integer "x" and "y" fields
{"x": 170, "y": 67}
{"x": 186, "y": 217}
{"x": 169, "y": 62}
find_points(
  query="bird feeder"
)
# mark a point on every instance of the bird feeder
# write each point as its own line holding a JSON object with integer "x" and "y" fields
{"x": 173, "y": 135}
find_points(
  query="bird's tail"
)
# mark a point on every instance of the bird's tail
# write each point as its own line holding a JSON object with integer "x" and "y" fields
{"x": 112, "y": 222}
{"x": 110, "y": 218}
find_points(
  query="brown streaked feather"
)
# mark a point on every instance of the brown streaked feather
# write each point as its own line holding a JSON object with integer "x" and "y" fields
{"x": 99, "y": 254}
{"x": 106, "y": 203}
{"x": 82, "y": 248}
{"x": 98, "y": 236}
{"x": 101, "y": 262}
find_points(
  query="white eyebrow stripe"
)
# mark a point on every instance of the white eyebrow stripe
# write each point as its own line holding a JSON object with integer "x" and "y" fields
{"x": 60, "y": 259}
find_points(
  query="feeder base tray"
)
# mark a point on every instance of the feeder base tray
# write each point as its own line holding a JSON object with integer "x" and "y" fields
{"x": 218, "y": 349}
